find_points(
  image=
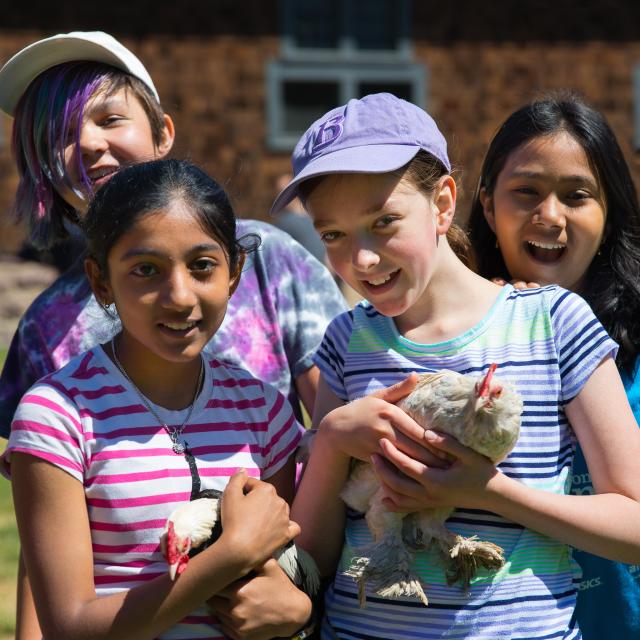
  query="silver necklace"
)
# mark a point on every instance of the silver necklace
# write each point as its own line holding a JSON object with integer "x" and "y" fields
{"x": 176, "y": 432}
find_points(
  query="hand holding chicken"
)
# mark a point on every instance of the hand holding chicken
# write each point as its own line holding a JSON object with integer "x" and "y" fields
{"x": 197, "y": 524}
{"x": 482, "y": 414}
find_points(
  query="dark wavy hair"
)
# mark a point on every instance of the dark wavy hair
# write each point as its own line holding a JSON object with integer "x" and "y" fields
{"x": 613, "y": 277}
{"x": 146, "y": 187}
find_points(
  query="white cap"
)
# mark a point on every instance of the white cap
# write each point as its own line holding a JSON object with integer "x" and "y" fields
{"x": 26, "y": 65}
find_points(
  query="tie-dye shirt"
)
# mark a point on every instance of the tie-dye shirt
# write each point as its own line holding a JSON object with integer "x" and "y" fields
{"x": 274, "y": 323}
{"x": 547, "y": 343}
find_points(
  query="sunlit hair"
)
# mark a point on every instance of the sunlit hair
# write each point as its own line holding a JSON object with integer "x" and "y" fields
{"x": 148, "y": 187}
{"x": 49, "y": 117}
{"x": 423, "y": 172}
{"x": 612, "y": 285}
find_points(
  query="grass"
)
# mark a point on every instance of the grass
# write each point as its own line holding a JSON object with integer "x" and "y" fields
{"x": 9, "y": 546}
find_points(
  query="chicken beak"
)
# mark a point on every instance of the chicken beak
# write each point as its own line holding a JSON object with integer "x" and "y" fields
{"x": 482, "y": 403}
{"x": 173, "y": 571}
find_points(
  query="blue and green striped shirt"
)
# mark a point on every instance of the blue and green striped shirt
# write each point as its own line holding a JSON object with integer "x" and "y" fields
{"x": 547, "y": 343}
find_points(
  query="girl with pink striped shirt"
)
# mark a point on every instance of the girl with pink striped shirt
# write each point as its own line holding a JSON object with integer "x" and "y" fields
{"x": 103, "y": 450}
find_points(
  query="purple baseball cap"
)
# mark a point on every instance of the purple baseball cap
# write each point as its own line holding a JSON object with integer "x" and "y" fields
{"x": 375, "y": 134}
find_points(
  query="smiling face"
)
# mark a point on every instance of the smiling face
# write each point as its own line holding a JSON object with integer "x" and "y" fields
{"x": 547, "y": 211}
{"x": 116, "y": 132}
{"x": 380, "y": 233}
{"x": 170, "y": 282}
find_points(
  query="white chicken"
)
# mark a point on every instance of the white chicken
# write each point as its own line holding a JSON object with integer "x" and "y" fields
{"x": 482, "y": 414}
{"x": 196, "y": 525}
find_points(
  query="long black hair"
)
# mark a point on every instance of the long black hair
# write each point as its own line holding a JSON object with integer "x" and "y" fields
{"x": 613, "y": 277}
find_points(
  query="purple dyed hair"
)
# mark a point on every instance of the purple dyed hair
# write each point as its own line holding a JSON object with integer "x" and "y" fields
{"x": 48, "y": 117}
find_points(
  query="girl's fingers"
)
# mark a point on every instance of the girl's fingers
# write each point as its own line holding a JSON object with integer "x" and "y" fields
{"x": 402, "y": 462}
{"x": 237, "y": 481}
{"x": 521, "y": 284}
{"x": 448, "y": 444}
{"x": 397, "y": 391}
{"x": 422, "y": 452}
{"x": 405, "y": 424}
{"x": 294, "y": 529}
{"x": 401, "y": 493}
{"x": 402, "y": 476}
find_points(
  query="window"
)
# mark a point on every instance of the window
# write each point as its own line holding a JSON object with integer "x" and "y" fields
{"x": 345, "y": 28}
{"x": 333, "y": 51}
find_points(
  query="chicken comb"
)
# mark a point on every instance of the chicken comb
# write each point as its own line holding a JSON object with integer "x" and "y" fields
{"x": 172, "y": 553}
{"x": 482, "y": 389}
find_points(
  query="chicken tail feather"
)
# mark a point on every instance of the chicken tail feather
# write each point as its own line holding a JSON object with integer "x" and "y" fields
{"x": 470, "y": 554}
{"x": 301, "y": 569}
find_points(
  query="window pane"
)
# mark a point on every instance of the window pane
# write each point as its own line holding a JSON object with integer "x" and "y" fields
{"x": 402, "y": 90}
{"x": 316, "y": 24}
{"x": 374, "y": 24}
{"x": 305, "y": 102}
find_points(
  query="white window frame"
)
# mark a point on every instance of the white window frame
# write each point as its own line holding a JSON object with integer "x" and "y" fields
{"x": 344, "y": 65}
{"x": 347, "y": 77}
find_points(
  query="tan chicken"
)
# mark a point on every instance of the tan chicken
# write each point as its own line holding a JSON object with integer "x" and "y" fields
{"x": 482, "y": 414}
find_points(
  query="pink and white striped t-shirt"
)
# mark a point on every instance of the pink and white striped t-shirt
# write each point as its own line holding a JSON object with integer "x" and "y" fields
{"x": 87, "y": 420}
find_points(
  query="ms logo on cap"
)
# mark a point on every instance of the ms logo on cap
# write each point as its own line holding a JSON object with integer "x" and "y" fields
{"x": 329, "y": 131}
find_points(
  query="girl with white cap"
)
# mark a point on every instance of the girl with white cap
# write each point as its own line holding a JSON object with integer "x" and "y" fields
{"x": 84, "y": 106}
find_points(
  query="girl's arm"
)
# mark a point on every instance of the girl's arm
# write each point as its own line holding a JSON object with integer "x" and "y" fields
{"x": 344, "y": 431}
{"x": 317, "y": 505}
{"x": 27, "y": 627}
{"x": 56, "y": 542}
{"x": 284, "y": 479}
{"x": 268, "y": 604}
{"x": 606, "y": 524}
{"x": 307, "y": 387}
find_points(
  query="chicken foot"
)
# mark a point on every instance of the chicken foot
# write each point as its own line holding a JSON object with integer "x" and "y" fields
{"x": 462, "y": 557}
{"x": 385, "y": 565}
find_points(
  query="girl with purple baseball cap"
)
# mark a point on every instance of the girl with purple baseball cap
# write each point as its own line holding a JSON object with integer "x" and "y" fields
{"x": 374, "y": 176}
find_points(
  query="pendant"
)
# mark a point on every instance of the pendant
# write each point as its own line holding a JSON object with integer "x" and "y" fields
{"x": 178, "y": 447}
